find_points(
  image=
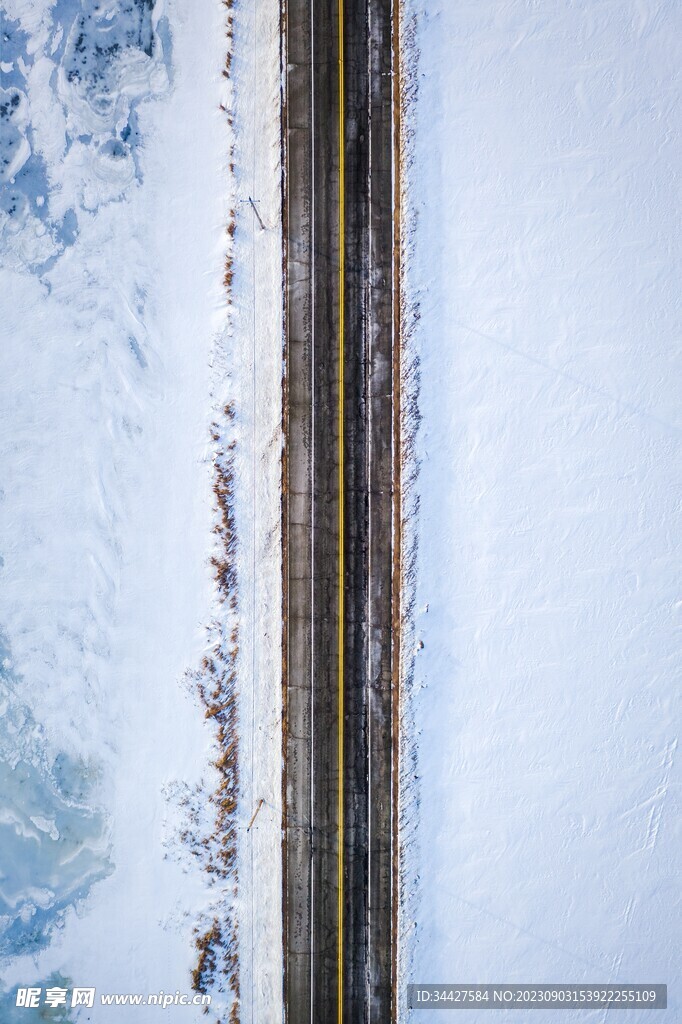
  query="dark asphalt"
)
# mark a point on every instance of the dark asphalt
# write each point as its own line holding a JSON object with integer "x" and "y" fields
{"x": 311, "y": 516}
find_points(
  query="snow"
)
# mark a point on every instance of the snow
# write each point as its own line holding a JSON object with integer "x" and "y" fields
{"x": 119, "y": 347}
{"x": 540, "y": 718}
{"x": 257, "y": 379}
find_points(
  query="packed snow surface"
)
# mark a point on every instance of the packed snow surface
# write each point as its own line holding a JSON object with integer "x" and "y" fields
{"x": 540, "y": 808}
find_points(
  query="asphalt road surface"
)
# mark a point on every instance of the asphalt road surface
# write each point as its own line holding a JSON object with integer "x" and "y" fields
{"x": 338, "y": 518}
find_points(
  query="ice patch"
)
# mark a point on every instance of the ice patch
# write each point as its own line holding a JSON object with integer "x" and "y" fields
{"x": 14, "y": 147}
{"x": 54, "y": 845}
{"x": 68, "y": 123}
{"x": 112, "y": 59}
{"x": 10, "y": 1013}
{"x": 13, "y": 50}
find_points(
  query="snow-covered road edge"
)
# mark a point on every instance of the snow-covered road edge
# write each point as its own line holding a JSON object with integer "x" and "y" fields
{"x": 408, "y": 780}
{"x": 256, "y": 380}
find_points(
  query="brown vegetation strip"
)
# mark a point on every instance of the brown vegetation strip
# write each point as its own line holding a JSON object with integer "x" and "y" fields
{"x": 217, "y": 965}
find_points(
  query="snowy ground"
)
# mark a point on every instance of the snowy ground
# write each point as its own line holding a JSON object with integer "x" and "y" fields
{"x": 540, "y": 814}
{"x": 118, "y": 348}
{"x": 257, "y": 380}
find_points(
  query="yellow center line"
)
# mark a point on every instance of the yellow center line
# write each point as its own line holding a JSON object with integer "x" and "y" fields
{"x": 342, "y": 289}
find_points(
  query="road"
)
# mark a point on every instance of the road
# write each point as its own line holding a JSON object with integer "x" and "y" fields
{"x": 338, "y": 511}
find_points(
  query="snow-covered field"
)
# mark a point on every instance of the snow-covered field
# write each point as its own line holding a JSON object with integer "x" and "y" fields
{"x": 120, "y": 172}
{"x": 540, "y": 810}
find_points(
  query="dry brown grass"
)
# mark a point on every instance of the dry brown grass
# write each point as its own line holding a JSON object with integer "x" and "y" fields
{"x": 217, "y": 964}
{"x": 216, "y": 681}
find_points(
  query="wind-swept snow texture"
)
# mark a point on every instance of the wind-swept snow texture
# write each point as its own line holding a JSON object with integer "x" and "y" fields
{"x": 540, "y": 764}
{"x": 125, "y": 147}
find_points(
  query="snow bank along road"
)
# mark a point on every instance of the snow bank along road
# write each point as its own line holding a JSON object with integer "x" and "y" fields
{"x": 338, "y": 511}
